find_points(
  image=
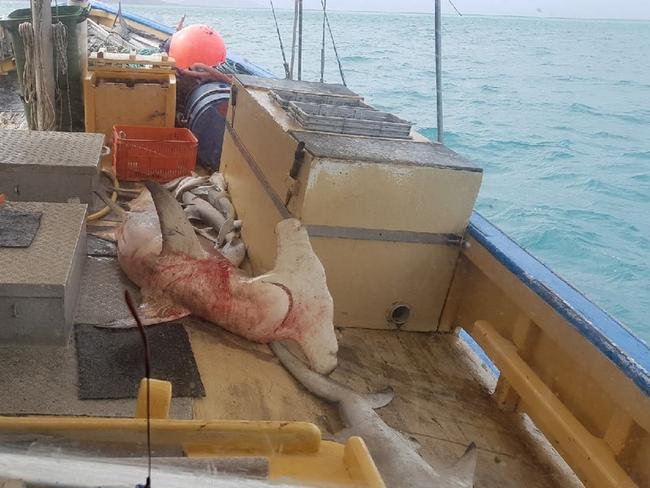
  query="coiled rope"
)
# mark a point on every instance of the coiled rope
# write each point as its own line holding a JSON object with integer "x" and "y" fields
{"x": 43, "y": 105}
{"x": 60, "y": 38}
{"x": 28, "y": 80}
{"x": 28, "y": 77}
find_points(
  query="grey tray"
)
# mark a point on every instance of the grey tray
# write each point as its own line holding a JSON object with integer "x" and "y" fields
{"x": 283, "y": 97}
{"x": 349, "y": 120}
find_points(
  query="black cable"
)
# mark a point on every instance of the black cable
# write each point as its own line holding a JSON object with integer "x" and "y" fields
{"x": 147, "y": 372}
{"x": 457, "y": 11}
{"x": 277, "y": 28}
{"x": 336, "y": 53}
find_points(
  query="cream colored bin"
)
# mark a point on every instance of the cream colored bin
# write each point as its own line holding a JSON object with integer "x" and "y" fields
{"x": 385, "y": 216}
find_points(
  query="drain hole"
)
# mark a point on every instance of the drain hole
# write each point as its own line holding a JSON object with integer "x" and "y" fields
{"x": 399, "y": 314}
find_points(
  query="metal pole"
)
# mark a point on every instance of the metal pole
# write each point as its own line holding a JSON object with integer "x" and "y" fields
{"x": 293, "y": 39}
{"x": 322, "y": 49}
{"x": 438, "y": 33}
{"x": 43, "y": 63}
{"x": 300, "y": 39}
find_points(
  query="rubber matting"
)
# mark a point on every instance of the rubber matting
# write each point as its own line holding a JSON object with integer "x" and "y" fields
{"x": 18, "y": 228}
{"x": 111, "y": 362}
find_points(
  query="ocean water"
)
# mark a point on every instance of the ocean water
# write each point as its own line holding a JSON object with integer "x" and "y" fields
{"x": 556, "y": 111}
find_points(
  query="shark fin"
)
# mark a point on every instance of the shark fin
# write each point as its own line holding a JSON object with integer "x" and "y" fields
{"x": 105, "y": 235}
{"x": 154, "y": 309}
{"x": 177, "y": 232}
{"x": 462, "y": 471}
{"x": 380, "y": 398}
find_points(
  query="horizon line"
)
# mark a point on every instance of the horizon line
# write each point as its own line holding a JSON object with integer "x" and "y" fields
{"x": 444, "y": 14}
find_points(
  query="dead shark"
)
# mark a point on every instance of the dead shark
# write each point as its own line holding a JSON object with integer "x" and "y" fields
{"x": 396, "y": 457}
{"x": 159, "y": 251}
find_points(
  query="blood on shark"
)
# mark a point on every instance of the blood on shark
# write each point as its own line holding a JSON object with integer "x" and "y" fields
{"x": 159, "y": 251}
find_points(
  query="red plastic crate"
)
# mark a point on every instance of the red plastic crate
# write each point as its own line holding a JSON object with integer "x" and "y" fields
{"x": 153, "y": 153}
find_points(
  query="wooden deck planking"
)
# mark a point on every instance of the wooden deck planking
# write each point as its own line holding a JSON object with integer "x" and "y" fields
{"x": 442, "y": 398}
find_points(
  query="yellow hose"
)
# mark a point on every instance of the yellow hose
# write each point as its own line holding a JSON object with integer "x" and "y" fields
{"x": 106, "y": 210}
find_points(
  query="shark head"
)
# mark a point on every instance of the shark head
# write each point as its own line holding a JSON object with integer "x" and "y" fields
{"x": 297, "y": 266}
{"x": 321, "y": 348}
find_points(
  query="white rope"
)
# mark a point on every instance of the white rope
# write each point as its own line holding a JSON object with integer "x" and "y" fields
{"x": 28, "y": 80}
{"x": 60, "y": 37}
{"x": 44, "y": 106}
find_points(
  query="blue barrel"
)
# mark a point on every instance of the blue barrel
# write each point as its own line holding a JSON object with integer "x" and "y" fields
{"x": 206, "y": 110}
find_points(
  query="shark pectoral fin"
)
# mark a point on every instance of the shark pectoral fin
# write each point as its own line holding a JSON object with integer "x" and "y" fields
{"x": 106, "y": 235}
{"x": 157, "y": 309}
{"x": 462, "y": 471}
{"x": 380, "y": 398}
{"x": 154, "y": 309}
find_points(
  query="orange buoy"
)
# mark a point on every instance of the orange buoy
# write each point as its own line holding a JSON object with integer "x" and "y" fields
{"x": 197, "y": 44}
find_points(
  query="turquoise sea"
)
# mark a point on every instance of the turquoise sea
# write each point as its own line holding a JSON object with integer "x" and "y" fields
{"x": 556, "y": 111}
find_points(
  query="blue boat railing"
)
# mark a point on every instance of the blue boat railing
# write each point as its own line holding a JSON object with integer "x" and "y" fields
{"x": 578, "y": 373}
{"x": 613, "y": 339}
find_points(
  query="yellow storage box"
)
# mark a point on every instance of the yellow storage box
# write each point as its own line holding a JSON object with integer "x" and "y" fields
{"x": 129, "y": 89}
{"x": 385, "y": 216}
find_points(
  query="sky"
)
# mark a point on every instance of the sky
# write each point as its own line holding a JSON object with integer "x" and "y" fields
{"x": 606, "y": 9}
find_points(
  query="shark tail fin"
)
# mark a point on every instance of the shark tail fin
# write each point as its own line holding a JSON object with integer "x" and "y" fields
{"x": 177, "y": 232}
{"x": 463, "y": 470}
{"x": 380, "y": 398}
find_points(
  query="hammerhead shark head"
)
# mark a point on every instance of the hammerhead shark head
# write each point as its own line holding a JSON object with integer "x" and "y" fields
{"x": 160, "y": 252}
{"x": 396, "y": 457}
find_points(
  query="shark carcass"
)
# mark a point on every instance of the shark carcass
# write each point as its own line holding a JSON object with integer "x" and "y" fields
{"x": 159, "y": 251}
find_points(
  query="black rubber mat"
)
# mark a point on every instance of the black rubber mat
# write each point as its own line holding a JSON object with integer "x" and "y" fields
{"x": 101, "y": 248}
{"x": 111, "y": 362}
{"x": 18, "y": 228}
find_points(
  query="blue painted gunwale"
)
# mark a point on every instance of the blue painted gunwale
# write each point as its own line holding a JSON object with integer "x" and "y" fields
{"x": 233, "y": 59}
{"x": 629, "y": 353}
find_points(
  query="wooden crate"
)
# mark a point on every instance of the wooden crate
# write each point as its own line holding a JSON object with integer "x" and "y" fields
{"x": 129, "y": 89}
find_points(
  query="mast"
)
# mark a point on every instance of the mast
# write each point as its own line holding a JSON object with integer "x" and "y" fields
{"x": 293, "y": 39}
{"x": 300, "y": 39}
{"x": 43, "y": 64}
{"x": 438, "y": 34}
{"x": 322, "y": 49}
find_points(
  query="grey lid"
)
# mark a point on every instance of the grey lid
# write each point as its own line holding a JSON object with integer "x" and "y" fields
{"x": 42, "y": 269}
{"x": 77, "y": 152}
{"x": 293, "y": 85}
{"x": 395, "y": 151}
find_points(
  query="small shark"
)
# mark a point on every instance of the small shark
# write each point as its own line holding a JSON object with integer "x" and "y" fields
{"x": 159, "y": 251}
{"x": 397, "y": 459}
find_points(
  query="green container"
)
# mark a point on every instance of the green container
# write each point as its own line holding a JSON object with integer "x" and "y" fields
{"x": 69, "y": 105}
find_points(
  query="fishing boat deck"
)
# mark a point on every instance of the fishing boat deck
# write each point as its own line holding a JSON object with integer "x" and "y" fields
{"x": 442, "y": 390}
